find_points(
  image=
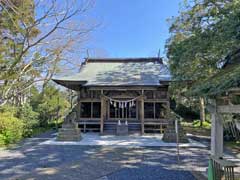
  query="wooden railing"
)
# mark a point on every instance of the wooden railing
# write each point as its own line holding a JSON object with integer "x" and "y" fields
{"x": 222, "y": 169}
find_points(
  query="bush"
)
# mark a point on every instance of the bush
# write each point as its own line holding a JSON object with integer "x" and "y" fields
{"x": 205, "y": 124}
{"x": 29, "y": 118}
{"x": 186, "y": 112}
{"x": 2, "y": 140}
{"x": 9, "y": 109}
{"x": 11, "y": 128}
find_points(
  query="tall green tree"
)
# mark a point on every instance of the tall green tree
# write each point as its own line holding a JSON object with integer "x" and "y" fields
{"x": 51, "y": 104}
{"x": 201, "y": 36}
{"x": 203, "y": 33}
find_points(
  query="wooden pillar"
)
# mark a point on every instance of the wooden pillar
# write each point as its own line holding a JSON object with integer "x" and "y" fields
{"x": 142, "y": 114}
{"x": 168, "y": 111}
{"x": 103, "y": 113}
{"x": 216, "y": 131}
{"x": 78, "y": 106}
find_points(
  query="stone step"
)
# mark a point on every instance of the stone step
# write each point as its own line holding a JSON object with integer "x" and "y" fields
{"x": 113, "y": 127}
{"x": 69, "y": 138}
{"x": 69, "y": 130}
{"x": 71, "y": 125}
{"x": 170, "y": 134}
{"x": 68, "y": 135}
{"x": 65, "y": 136}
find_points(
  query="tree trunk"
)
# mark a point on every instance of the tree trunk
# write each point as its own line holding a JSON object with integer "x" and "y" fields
{"x": 202, "y": 110}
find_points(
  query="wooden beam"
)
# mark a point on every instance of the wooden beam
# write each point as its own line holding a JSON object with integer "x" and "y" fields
{"x": 237, "y": 90}
{"x": 119, "y": 88}
{"x": 157, "y": 100}
{"x": 90, "y": 100}
{"x": 228, "y": 109}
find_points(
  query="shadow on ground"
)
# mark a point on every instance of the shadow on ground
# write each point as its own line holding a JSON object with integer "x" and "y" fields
{"x": 34, "y": 161}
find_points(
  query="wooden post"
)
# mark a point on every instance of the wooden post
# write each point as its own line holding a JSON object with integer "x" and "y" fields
{"x": 142, "y": 114}
{"x": 103, "y": 113}
{"x": 161, "y": 129}
{"x": 216, "y": 131}
{"x": 78, "y": 107}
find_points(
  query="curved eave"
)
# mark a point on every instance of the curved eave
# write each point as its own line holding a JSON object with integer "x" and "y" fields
{"x": 74, "y": 85}
{"x": 165, "y": 82}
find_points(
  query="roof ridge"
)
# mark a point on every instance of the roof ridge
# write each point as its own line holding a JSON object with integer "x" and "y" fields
{"x": 130, "y": 59}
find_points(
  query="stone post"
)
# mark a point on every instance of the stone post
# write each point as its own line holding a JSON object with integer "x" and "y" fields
{"x": 216, "y": 131}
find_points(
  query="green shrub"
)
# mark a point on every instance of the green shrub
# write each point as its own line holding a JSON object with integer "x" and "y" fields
{"x": 11, "y": 128}
{"x": 186, "y": 112}
{"x": 9, "y": 109}
{"x": 205, "y": 124}
{"x": 2, "y": 140}
{"x": 29, "y": 118}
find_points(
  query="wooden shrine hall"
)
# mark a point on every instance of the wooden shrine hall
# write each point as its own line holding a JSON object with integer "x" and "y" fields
{"x": 133, "y": 91}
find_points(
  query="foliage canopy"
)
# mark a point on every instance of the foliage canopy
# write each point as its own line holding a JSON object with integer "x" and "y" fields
{"x": 201, "y": 37}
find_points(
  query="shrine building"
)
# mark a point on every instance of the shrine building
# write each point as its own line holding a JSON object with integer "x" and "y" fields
{"x": 110, "y": 91}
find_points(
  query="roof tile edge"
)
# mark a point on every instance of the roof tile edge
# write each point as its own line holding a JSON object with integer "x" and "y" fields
{"x": 104, "y": 60}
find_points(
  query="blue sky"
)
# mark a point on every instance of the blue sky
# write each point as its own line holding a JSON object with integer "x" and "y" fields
{"x": 131, "y": 28}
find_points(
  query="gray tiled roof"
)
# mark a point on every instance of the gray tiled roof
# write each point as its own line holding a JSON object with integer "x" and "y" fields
{"x": 121, "y": 72}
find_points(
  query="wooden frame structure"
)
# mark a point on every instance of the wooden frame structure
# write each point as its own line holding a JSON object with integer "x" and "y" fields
{"x": 139, "y": 122}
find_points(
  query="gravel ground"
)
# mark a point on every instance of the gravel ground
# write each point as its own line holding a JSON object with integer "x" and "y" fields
{"x": 30, "y": 160}
{"x": 150, "y": 173}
